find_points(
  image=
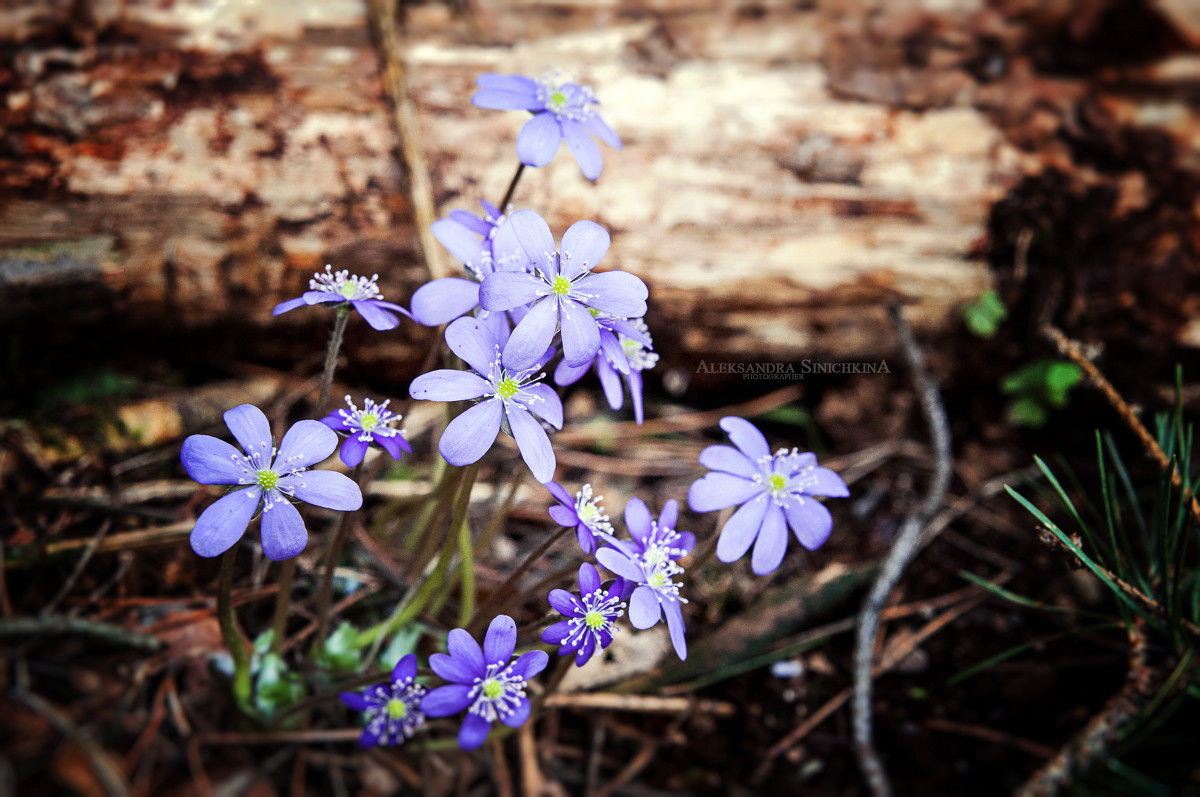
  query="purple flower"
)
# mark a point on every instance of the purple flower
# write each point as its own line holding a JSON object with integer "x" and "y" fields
{"x": 509, "y": 399}
{"x": 584, "y": 512}
{"x": 340, "y": 288}
{"x": 483, "y": 681}
{"x": 392, "y": 709}
{"x": 483, "y": 245}
{"x": 774, "y": 492}
{"x": 267, "y": 478}
{"x": 625, "y": 351}
{"x": 563, "y": 293}
{"x": 591, "y": 618}
{"x": 649, "y": 562}
{"x": 561, "y": 111}
{"x": 366, "y": 426}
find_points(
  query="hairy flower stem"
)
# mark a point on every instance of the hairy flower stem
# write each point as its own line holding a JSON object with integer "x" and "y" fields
{"x": 288, "y": 571}
{"x": 325, "y": 596}
{"x": 230, "y": 632}
{"x": 512, "y": 187}
{"x": 458, "y": 527}
{"x": 462, "y": 530}
{"x": 331, "y": 355}
{"x": 416, "y": 598}
{"x": 510, "y": 583}
{"x": 438, "y": 499}
{"x": 283, "y": 597}
{"x": 501, "y": 511}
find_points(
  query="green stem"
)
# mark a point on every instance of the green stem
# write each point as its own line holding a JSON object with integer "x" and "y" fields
{"x": 283, "y": 600}
{"x": 413, "y": 602}
{"x": 230, "y": 632}
{"x": 416, "y": 599}
{"x": 463, "y": 571}
{"x": 438, "y": 499}
{"x": 502, "y": 510}
{"x": 331, "y": 355}
{"x": 325, "y": 596}
{"x": 466, "y": 559}
{"x": 512, "y": 187}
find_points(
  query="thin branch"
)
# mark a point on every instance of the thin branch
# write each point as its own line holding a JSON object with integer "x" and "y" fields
{"x": 649, "y": 704}
{"x": 395, "y": 81}
{"x": 109, "y": 776}
{"x": 903, "y": 550}
{"x": 1070, "y": 349}
{"x": 76, "y": 626}
{"x": 1093, "y": 742}
{"x": 69, "y": 584}
{"x": 892, "y": 656}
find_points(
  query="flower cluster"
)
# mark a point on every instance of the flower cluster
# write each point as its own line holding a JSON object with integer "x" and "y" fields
{"x": 483, "y": 681}
{"x": 558, "y": 299}
{"x": 526, "y": 301}
{"x": 650, "y": 561}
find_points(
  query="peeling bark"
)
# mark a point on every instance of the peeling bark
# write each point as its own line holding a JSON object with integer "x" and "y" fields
{"x": 787, "y": 170}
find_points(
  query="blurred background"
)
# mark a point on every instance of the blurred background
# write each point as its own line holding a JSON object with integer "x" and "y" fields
{"x": 170, "y": 171}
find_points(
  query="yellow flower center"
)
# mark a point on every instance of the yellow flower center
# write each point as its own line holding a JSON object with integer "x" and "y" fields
{"x": 594, "y": 620}
{"x": 561, "y": 286}
{"x": 776, "y": 483}
{"x": 557, "y": 100}
{"x": 396, "y": 709}
{"x": 492, "y": 689}
{"x": 267, "y": 479}
{"x": 369, "y": 422}
{"x": 507, "y": 388}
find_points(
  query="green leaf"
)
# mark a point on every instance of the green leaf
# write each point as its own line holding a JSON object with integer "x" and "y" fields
{"x": 983, "y": 316}
{"x": 404, "y": 642}
{"x": 1060, "y": 377}
{"x": 341, "y": 651}
{"x": 1026, "y": 412}
{"x": 276, "y": 689}
{"x": 788, "y": 414}
{"x": 262, "y": 642}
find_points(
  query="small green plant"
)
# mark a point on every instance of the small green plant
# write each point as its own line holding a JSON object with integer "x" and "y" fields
{"x": 1141, "y": 543}
{"x": 1037, "y": 388}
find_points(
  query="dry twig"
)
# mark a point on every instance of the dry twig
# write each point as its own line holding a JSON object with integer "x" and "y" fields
{"x": 1093, "y": 741}
{"x": 892, "y": 656}
{"x": 110, "y": 778}
{"x": 395, "y": 80}
{"x": 903, "y": 550}
{"x": 1070, "y": 349}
